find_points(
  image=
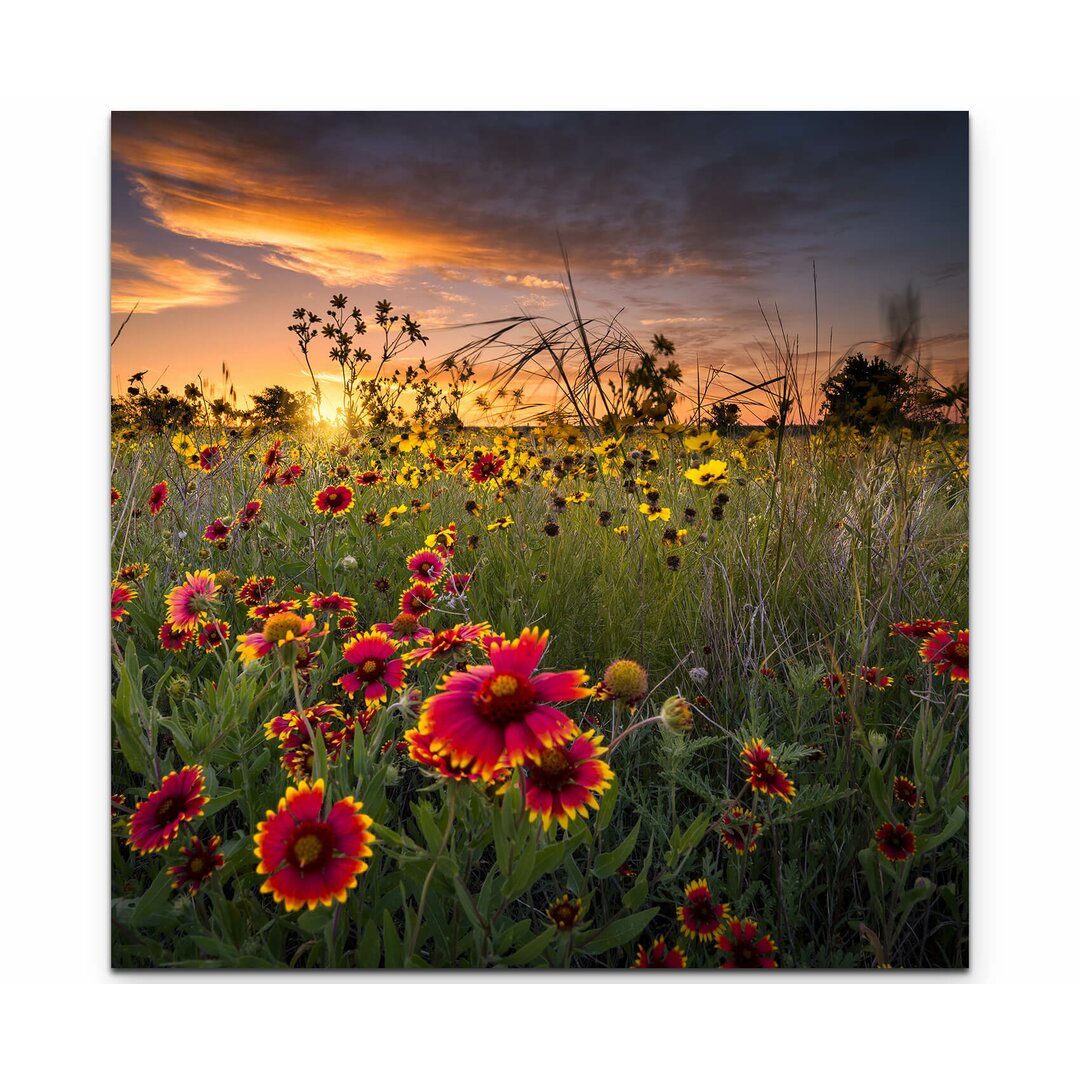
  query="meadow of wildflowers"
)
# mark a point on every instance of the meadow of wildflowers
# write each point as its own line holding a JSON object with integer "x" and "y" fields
{"x": 550, "y": 696}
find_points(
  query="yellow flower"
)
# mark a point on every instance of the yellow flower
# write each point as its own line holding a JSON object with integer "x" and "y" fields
{"x": 703, "y": 440}
{"x": 621, "y": 530}
{"x": 501, "y": 523}
{"x": 577, "y": 497}
{"x": 711, "y": 474}
{"x": 655, "y": 513}
{"x": 393, "y": 512}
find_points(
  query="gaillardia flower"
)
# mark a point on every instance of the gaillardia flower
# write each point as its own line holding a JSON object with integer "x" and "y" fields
{"x": 741, "y": 946}
{"x": 904, "y": 791}
{"x": 189, "y": 603}
{"x": 279, "y": 631}
{"x": 375, "y": 673}
{"x": 417, "y": 600}
{"x": 949, "y": 655}
{"x": 919, "y": 629}
{"x": 426, "y": 566}
{"x": 312, "y": 860}
{"x": 625, "y": 681}
{"x": 699, "y": 917}
{"x": 159, "y": 496}
{"x": 198, "y": 862}
{"x": 157, "y": 819}
{"x": 565, "y": 780}
{"x": 738, "y": 830}
{"x": 332, "y": 500}
{"x": 765, "y": 776}
{"x": 174, "y": 638}
{"x": 895, "y": 842}
{"x": 405, "y": 627}
{"x": 659, "y": 956}
{"x": 496, "y": 714}
{"x": 565, "y": 913}
{"x": 121, "y": 595}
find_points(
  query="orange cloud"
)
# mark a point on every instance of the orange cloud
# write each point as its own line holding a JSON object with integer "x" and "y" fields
{"x": 209, "y": 191}
{"x": 159, "y": 282}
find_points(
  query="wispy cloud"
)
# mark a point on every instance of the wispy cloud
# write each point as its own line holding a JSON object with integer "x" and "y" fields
{"x": 159, "y": 282}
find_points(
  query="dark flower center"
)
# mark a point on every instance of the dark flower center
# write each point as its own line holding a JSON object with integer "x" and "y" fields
{"x": 372, "y": 669}
{"x": 553, "y": 771}
{"x": 503, "y": 698}
{"x": 311, "y": 846}
{"x": 167, "y": 810}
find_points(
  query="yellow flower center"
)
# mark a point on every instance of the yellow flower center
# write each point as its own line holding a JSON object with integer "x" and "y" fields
{"x": 503, "y": 685}
{"x": 279, "y": 627}
{"x": 370, "y": 667}
{"x": 307, "y": 849}
{"x": 196, "y": 865}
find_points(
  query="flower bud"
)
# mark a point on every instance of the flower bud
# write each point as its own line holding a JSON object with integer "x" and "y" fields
{"x": 677, "y": 716}
{"x": 348, "y": 562}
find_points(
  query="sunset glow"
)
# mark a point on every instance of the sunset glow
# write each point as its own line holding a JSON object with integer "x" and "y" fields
{"x": 682, "y": 224}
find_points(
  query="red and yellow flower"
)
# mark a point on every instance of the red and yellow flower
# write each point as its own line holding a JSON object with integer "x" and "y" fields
{"x": 280, "y": 631}
{"x": 174, "y": 638}
{"x": 875, "y": 677}
{"x": 658, "y": 955}
{"x": 217, "y": 530}
{"x": 765, "y": 776}
{"x": 159, "y": 496}
{"x": 699, "y": 917}
{"x": 312, "y": 859}
{"x": 212, "y": 634}
{"x": 333, "y": 500}
{"x": 405, "y": 627}
{"x": 190, "y": 602}
{"x": 417, "y": 600}
{"x": 564, "y": 912}
{"x": 739, "y": 830}
{"x": 895, "y": 842}
{"x": 919, "y": 629}
{"x": 198, "y": 862}
{"x": 452, "y": 643}
{"x": 904, "y": 791}
{"x": 157, "y": 819}
{"x": 500, "y": 713}
{"x": 741, "y": 946}
{"x": 426, "y": 566}
{"x": 948, "y": 654}
{"x": 331, "y": 602}
{"x": 565, "y": 780}
{"x": 121, "y": 595}
{"x": 375, "y": 671}
{"x": 255, "y": 589}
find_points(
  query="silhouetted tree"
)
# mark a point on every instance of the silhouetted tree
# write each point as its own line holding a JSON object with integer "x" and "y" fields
{"x": 877, "y": 393}
{"x": 280, "y": 408}
{"x": 724, "y": 417}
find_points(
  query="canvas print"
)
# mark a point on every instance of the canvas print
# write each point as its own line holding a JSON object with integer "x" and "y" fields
{"x": 539, "y": 541}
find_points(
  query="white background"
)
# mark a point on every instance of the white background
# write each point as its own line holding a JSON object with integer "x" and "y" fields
{"x": 64, "y": 73}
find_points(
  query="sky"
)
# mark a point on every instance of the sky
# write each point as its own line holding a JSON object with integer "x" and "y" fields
{"x": 685, "y": 224}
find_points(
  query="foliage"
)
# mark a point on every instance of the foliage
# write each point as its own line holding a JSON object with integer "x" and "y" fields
{"x": 876, "y": 393}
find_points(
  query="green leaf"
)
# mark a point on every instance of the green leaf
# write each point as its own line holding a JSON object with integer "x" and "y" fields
{"x": 607, "y": 805}
{"x": 521, "y": 874}
{"x": 392, "y": 950}
{"x": 952, "y": 826}
{"x": 220, "y": 801}
{"x": 619, "y": 932}
{"x": 369, "y": 947}
{"x": 531, "y": 950}
{"x": 315, "y": 921}
{"x": 635, "y": 895}
{"x": 154, "y": 900}
{"x": 608, "y": 863}
{"x": 876, "y": 783}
